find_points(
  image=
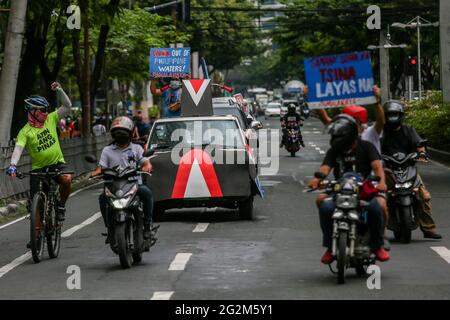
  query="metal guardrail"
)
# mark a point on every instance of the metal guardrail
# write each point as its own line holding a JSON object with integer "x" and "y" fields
{"x": 74, "y": 151}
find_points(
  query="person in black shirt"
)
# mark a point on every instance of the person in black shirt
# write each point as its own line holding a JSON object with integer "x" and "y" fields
{"x": 348, "y": 153}
{"x": 399, "y": 137}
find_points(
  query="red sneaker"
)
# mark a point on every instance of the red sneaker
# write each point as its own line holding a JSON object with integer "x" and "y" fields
{"x": 382, "y": 254}
{"x": 327, "y": 257}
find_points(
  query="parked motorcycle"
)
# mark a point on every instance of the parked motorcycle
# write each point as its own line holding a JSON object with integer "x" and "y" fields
{"x": 125, "y": 214}
{"x": 350, "y": 245}
{"x": 403, "y": 200}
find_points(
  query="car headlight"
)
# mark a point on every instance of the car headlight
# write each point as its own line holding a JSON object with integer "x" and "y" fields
{"x": 346, "y": 202}
{"x": 405, "y": 185}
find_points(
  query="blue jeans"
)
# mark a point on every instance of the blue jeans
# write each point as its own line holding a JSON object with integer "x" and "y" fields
{"x": 375, "y": 223}
{"x": 145, "y": 195}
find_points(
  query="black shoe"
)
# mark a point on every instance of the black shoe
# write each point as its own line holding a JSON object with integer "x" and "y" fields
{"x": 29, "y": 245}
{"x": 431, "y": 235}
{"x": 147, "y": 231}
{"x": 107, "y": 240}
{"x": 61, "y": 213}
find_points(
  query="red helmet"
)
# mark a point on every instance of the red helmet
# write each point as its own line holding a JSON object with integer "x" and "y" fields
{"x": 356, "y": 112}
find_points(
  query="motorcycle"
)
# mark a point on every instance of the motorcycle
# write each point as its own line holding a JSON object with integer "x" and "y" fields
{"x": 292, "y": 141}
{"x": 125, "y": 214}
{"x": 403, "y": 200}
{"x": 350, "y": 238}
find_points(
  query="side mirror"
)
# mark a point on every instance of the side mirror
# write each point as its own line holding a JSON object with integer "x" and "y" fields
{"x": 319, "y": 175}
{"x": 374, "y": 178}
{"x": 422, "y": 143}
{"x": 91, "y": 158}
{"x": 256, "y": 125}
{"x": 149, "y": 153}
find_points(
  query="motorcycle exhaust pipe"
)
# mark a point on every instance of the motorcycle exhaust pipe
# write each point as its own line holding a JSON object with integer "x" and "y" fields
{"x": 335, "y": 235}
{"x": 352, "y": 237}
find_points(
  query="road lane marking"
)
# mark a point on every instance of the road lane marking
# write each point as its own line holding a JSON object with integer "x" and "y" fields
{"x": 16, "y": 262}
{"x": 321, "y": 152}
{"x": 443, "y": 252}
{"x": 12, "y": 222}
{"x": 180, "y": 261}
{"x": 201, "y": 227}
{"x": 161, "y": 295}
{"x": 85, "y": 223}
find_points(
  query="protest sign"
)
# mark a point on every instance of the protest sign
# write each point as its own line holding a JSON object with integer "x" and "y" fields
{"x": 170, "y": 62}
{"x": 339, "y": 80}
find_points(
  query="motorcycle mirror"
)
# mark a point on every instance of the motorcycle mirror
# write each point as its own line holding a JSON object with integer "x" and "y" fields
{"x": 90, "y": 158}
{"x": 256, "y": 125}
{"x": 422, "y": 143}
{"x": 149, "y": 153}
{"x": 319, "y": 175}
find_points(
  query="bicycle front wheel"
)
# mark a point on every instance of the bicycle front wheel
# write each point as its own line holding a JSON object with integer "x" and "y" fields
{"x": 53, "y": 234}
{"x": 37, "y": 227}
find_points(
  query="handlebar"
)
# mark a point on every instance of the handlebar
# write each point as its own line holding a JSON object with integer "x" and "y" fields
{"x": 22, "y": 175}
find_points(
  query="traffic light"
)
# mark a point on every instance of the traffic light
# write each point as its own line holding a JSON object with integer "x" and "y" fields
{"x": 411, "y": 66}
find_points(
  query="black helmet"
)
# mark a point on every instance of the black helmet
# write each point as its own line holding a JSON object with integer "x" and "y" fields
{"x": 343, "y": 131}
{"x": 394, "y": 113}
{"x": 291, "y": 107}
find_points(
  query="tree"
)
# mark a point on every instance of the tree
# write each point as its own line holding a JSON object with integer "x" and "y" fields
{"x": 10, "y": 67}
{"x": 223, "y": 37}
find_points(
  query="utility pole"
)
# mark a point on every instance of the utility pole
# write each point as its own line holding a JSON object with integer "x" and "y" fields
{"x": 384, "y": 69}
{"x": 11, "y": 63}
{"x": 384, "y": 46}
{"x": 86, "y": 128}
{"x": 444, "y": 23}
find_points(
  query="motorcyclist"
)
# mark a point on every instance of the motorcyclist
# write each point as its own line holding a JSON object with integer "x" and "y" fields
{"x": 291, "y": 120}
{"x": 142, "y": 128}
{"x": 123, "y": 153}
{"x": 348, "y": 153}
{"x": 399, "y": 137}
{"x": 40, "y": 137}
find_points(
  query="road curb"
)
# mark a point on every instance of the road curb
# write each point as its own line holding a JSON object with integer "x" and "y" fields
{"x": 439, "y": 155}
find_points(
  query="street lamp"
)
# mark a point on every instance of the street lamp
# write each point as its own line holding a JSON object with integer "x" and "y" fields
{"x": 417, "y": 23}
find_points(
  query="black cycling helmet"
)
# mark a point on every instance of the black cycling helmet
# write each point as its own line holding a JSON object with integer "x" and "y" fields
{"x": 291, "y": 108}
{"x": 343, "y": 131}
{"x": 394, "y": 112}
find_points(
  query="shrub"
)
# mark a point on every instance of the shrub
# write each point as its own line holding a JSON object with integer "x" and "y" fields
{"x": 431, "y": 118}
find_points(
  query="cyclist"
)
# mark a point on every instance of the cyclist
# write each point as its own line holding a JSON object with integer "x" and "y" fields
{"x": 40, "y": 137}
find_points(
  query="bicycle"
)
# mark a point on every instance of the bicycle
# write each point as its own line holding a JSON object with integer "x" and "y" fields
{"x": 44, "y": 222}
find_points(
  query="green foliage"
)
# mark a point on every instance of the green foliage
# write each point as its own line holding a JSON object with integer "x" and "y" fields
{"x": 154, "y": 112}
{"x": 223, "y": 38}
{"x": 431, "y": 118}
{"x": 131, "y": 37}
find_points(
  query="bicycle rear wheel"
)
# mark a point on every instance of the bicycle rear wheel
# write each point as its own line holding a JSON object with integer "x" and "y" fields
{"x": 37, "y": 227}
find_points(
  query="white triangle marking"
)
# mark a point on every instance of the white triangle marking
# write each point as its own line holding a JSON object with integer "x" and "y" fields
{"x": 196, "y": 96}
{"x": 196, "y": 186}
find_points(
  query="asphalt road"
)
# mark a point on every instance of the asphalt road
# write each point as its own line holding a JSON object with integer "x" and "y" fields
{"x": 276, "y": 256}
